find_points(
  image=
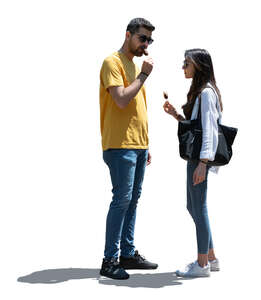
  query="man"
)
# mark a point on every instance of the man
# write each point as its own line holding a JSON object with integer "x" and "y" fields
{"x": 124, "y": 129}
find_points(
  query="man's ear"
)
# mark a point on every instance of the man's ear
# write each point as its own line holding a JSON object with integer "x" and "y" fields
{"x": 127, "y": 35}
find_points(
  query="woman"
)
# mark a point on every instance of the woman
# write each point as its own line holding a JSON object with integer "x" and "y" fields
{"x": 203, "y": 89}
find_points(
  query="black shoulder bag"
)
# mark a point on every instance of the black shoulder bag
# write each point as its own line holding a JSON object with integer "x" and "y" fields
{"x": 190, "y": 140}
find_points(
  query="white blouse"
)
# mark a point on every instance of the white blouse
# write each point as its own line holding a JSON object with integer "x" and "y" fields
{"x": 210, "y": 114}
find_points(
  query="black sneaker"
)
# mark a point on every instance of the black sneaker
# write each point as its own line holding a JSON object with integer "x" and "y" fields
{"x": 136, "y": 262}
{"x": 112, "y": 269}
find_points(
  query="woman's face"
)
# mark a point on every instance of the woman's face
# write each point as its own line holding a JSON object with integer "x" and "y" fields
{"x": 189, "y": 68}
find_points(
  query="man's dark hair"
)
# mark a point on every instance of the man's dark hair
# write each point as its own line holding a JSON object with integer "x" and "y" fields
{"x": 136, "y": 23}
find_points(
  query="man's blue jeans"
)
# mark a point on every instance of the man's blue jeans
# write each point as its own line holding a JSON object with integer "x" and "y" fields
{"x": 127, "y": 168}
{"x": 197, "y": 207}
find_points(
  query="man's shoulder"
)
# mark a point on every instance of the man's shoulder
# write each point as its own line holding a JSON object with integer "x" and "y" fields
{"x": 114, "y": 58}
{"x": 112, "y": 61}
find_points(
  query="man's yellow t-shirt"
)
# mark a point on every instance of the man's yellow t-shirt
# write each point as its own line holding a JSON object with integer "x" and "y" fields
{"x": 128, "y": 127}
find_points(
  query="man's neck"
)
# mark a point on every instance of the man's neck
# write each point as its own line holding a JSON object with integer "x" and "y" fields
{"x": 126, "y": 52}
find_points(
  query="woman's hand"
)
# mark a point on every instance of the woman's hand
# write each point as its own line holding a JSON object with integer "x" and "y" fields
{"x": 199, "y": 174}
{"x": 170, "y": 109}
{"x": 149, "y": 159}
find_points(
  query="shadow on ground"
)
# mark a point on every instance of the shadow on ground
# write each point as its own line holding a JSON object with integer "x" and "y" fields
{"x": 59, "y": 275}
{"x": 155, "y": 280}
{"x": 52, "y": 276}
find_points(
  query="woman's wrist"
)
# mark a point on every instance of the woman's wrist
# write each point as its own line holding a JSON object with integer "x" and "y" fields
{"x": 180, "y": 118}
{"x": 177, "y": 116}
{"x": 174, "y": 116}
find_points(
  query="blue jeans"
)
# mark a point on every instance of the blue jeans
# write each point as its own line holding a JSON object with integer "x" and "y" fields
{"x": 197, "y": 207}
{"x": 127, "y": 168}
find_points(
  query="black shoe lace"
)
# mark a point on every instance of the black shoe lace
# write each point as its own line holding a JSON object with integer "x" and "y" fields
{"x": 112, "y": 264}
{"x": 141, "y": 257}
{"x": 115, "y": 262}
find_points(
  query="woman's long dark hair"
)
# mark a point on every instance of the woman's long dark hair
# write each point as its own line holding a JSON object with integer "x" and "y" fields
{"x": 204, "y": 73}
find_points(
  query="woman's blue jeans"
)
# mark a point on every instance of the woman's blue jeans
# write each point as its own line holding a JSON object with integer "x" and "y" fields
{"x": 197, "y": 207}
{"x": 127, "y": 168}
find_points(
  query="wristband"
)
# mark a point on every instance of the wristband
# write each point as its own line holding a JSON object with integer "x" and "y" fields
{"x": 144, "y": 74}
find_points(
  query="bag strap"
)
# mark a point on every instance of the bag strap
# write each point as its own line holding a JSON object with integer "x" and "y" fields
{"x": 199, "y": 107}
{"x": 199, "y": 104}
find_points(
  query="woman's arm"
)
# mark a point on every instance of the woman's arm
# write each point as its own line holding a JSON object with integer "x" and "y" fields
{"x": 209, "y": 117}
{"x": 209, "y": 134}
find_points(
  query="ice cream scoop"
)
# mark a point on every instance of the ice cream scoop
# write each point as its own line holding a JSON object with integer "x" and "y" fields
{"x": 165, "y": 94}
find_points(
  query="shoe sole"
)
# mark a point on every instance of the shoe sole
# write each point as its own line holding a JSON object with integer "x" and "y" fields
{"x": 214, "y": 269}
{"x": 190, "y": 276}
{"x": 138, "y": 268}
{"x": 199, "y": 276}
{"x": 114, "y": 277}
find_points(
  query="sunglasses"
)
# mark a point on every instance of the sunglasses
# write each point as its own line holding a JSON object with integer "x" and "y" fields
{"x": 143, "y": 38}
{"x": 185, "y": 64}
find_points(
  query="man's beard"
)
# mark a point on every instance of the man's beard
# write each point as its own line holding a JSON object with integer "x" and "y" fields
{"x": 137, "y": 52}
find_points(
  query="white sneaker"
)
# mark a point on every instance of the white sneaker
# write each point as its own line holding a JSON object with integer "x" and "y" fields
{"x": 195, "y": 270}
{"x": 214, "y": 265}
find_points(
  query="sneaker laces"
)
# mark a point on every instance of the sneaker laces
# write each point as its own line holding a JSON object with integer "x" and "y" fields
{"x": 141, "y": 257}
{"x": 112, "y": 264}
{"x": 189, "y": 266}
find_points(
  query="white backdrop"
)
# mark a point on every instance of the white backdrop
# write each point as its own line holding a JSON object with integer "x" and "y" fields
{"x": 55, "y": 188}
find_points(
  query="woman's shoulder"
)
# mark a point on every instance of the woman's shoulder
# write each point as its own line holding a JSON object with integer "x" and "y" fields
{"x": 209, "y": 94}
{"x": 208, "y": 91}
